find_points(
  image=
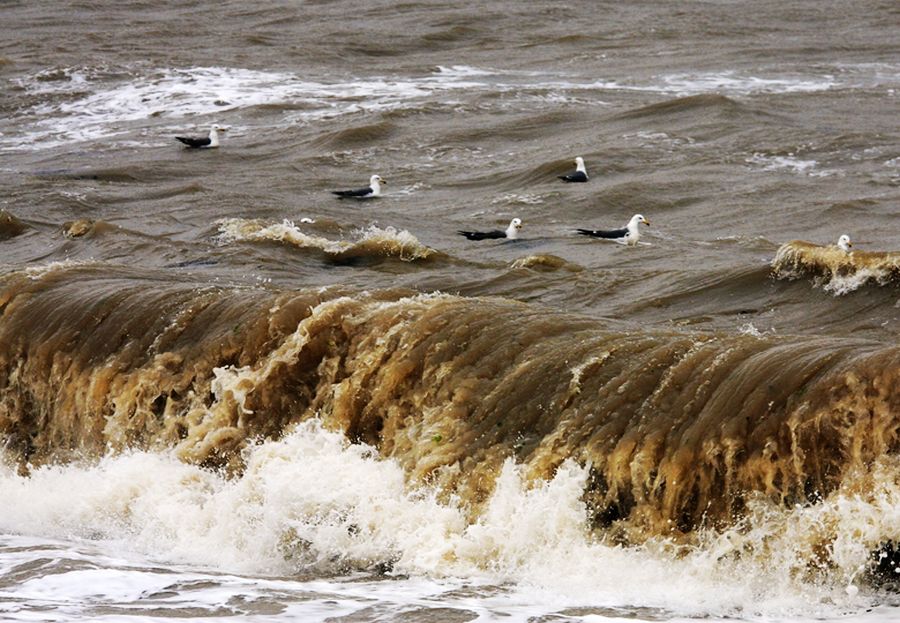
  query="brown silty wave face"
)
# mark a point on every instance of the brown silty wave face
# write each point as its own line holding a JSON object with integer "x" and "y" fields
{"x": 833, "y": 269}
{"x": 679, "y": 429}
{"x": 373, "y": 243}
{"x": 10, "y": 226}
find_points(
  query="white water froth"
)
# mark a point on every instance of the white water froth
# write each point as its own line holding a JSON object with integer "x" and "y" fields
{"x": 313, "y": 503}
{"x": 111, "y": 106}
{"x": 839, "y": 285}
{"x": 750, "y": 329}
{"x": 788, "y": 163}
{"x": 386, "y": 241}
{"x": 734, "y": 82}
{"x": 84, "y": 104}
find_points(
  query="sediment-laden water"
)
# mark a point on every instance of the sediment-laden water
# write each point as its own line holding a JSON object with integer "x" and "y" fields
{"x": 226, "y": 393}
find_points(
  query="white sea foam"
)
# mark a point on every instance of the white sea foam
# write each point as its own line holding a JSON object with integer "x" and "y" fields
{"x": 314, "y": 502}
{"x": 84, "y": 103}
{"x": 518, "y": 198}
{"x": 657, "y": 138}
{"x": 374, "y": 240}
{"x": 39, "y": 271}
{"x": 750, "y": 329}
{"x": 839, "y": 285}
{"x": 110, "y": 105}
{"x": 789, "y": 163}
{"x": 741, "y": 83}
{"x": 457, "y": 71}
{"x": 237, "y": 229}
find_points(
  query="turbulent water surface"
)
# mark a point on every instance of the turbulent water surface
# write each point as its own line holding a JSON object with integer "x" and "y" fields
{"x": 226, "y": 393}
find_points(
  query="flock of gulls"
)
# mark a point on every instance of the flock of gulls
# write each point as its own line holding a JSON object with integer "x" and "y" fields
{"x": 629, "y": 234}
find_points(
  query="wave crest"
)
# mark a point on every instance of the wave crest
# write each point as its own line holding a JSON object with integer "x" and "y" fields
{"x": 546, "y": 262}
{"x": 832, "y": 269}
{"x": 679, "y": 430}
{"x": 10, "y": 226}
{"x": 374, "y": 242}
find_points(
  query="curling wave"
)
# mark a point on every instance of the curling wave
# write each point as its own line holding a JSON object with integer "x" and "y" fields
{"x": 677, "y": 430}
{"x": 834, "y": 270}
{"x": 374, "y": 242}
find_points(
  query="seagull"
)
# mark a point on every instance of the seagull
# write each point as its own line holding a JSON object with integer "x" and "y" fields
{"x": 511, "y": 232}
{"x": 844, "y": 243}
{"x": 580, "y": 174}
{"x": 372, "y": 190}
{"x": 628, "y": 234}
{"x": 209, "y": 142}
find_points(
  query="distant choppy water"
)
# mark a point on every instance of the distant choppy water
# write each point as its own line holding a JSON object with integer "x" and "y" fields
{"x": 225, "y": 393}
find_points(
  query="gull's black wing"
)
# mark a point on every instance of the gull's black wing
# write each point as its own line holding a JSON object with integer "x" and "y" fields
{"x": 577, "y": 176}
{"x": 483, "y": 235}
{"x": 194, "y": 142}
{"x": 359, "y": 193}
{"x": 604, "y": 233}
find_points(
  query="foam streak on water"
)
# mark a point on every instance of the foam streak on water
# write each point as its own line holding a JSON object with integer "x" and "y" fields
{"x": 85, "y": 103}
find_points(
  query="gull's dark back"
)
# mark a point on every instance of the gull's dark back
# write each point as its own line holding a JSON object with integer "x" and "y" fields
{"x": 483, "y": 235}
{"x": 578, "y": 176}
{"x": 194, "y": 142}
{"x": 604, "y": 233}
{"x": 358, "y": 193}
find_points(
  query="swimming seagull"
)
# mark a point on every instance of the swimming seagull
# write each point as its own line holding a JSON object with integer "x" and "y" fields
{"x": 630, "y": 234}
{"x": 580, "y": 174}
{"x": 209, "y": 142}
{"x": 844, "y": 243}
{"x": 511, "y": 232}
{"x": 372, "y": 190}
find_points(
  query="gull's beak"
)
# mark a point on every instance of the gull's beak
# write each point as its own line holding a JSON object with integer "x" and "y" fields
{"x": 849, "y": 244}
{"x": 646, "y": 222}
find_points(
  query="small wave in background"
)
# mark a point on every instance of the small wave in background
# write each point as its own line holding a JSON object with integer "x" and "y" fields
{"x": 372, "y": 242}
{"x": 834, "y": 270}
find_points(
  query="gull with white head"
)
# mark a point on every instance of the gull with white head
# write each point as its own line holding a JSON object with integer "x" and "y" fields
{"x": 844, "y": 243}
{"x": 369, "y": 192}
{"x": 630, "y": 234}
{"x": 511, "y": 232}
{"x": 207, "y": 142}
{"x": 580, "y": 174}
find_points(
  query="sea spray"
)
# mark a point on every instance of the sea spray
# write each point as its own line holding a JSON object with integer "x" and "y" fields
{"x": 311, "y": 501}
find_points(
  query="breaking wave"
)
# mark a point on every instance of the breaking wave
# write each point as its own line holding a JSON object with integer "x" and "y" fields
{"x": 373, "y": 242}
{"x": 313, "y": 502}
{"x": 832, "y": 269}
{"x": 678, "y": 430}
